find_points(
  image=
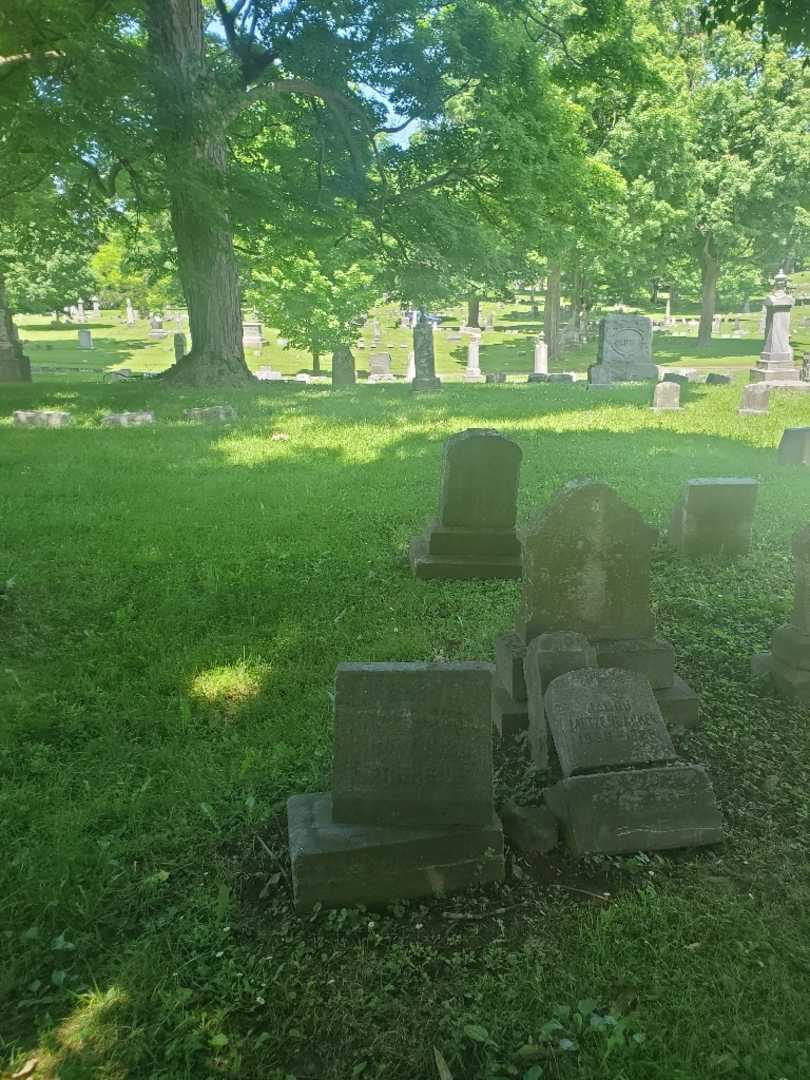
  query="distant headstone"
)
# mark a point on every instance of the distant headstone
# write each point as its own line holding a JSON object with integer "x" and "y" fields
{"x": 410, "y": 371}
{"x": 560, "y": 377}
{"x": 424, "y": 358}
{"x": 624, "y": 352}
{"x": 179, "y": 346}
{"x": 96, "y": 306}
{"x": 252, "y": 335}
{"x": 496, "y": 377}
{"x": 411, "y": 813}
{"x": 716, "y": 379}
{"x": 380, "y": 368}
{"x": 472, "y": 372}
{"x": 343, "y": 370}
{"x": 540, "y": 363}
{"x": 80, "y": 315}
{"x": 266, "y": 374}
{"x": 156, "y": 328}
{"x": 491, "y": 321}
{"x": 666, "y": 397}
{"x": 788, "y": 662}
{"x": 805, "y": 368}
{"x": 212, "y": 414}
{"x": 754, "y": 401}
{"x": 473, "y": 535}
{"x": 776, "y": 359}
{"x": 128, "y": 419}
{"x": 794, "y": 447}
{"x": 85, "y": 339}
{"x": 678, "y": 378}
{"x": 42, "y": 418}
{"x": 714, "y": 516}
{"x": 130, "y": 313}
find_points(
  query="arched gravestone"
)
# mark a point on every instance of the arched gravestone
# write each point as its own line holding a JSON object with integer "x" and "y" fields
{"x": 474, "y": 534}
{"x": 624, "y": 351}
{"x": 343, "y": 372}
{"x": 586, "y": 570}
{"x": 586, "y": 567}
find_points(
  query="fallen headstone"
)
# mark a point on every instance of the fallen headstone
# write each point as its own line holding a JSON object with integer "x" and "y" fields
{"x": 211, "y": 414}
{"x": 714, "y": 378}
{"x": 42, "y": 418}
{"x": 128, "y": 419}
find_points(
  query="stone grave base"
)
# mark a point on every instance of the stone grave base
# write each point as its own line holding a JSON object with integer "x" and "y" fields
{"x": 606, "y": 374}
{"x": 338, "y": 865}
{"x": 420, "y": 386}
{"x": 774, "y": 373}
{"x": 636, "y": 810}
{"x": 381, "y": 378}
{"x": 474, "y": 377}
{"x": 790, "y": 681}
{"x": 679, "y": 704}
{"x": 427, "y": 564}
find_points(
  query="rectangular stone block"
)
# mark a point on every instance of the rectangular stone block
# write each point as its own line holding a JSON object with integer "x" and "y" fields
{"x": 714, "y": 516}
{"x": 794, "y": 448}
{"x": 509, "y": 717}
{"x": 559, "y": 652}
{"x": 637, "y": 810}
{"x": 791, "y": 647}
{"x": 128, "y": 419}
{"x": 470, "y": 543}
{"x": 536, "y": 709}
{"x": 651, "y": 657}
{"x": 42, "y": 418}
{"x": 604, "y": 718}
{"x": 339, "y": 865}
{"x": 679, "y": 705}
{"x": 460, "y": 567}
{"x": 413, "y": 744}
{"x": 213, "y": 414}
{"x": 510, "y": 653}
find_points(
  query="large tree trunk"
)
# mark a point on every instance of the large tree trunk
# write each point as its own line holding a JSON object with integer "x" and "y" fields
{"x": 655, "y": 285}
{"x": 193, "y": 144}
{"x": 14, "y": 367}
{"x": 710, "y": 271}
{"x": 473, "y": 310}
{"x": 316, "y": 362}
{"x": 551, "y": 314}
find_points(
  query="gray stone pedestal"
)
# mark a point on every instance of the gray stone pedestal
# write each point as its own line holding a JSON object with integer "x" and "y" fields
{"x": 776, "y": 359}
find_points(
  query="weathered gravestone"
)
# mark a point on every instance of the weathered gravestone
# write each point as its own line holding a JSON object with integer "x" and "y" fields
{"x": 42, "y": 418}
{"x": 128, "y": 419}
{"x": 611, "y": 741}
{"x": 213, "y": 414}
{"x": 130, "y": 313}
{"x": 266, "y": 374}
{"x": 794, "y": 447}
{"x": 544, "y": 659}
{"x": 14, "y": 365}
{"x": 410, "y": 370}
{"x": 754, "y": 401}
{"x": 714, "y": 516}
{"x": 474, "y": 534}
{"x": 411, "y": 813}
{"x": 179, "y": 346}
{"x": 666, "y": 397}
{"x": 586, "y": 568}
{"x": 624, "y": 352}
{"x": 343, "y": 370}
{"x": 775, "y": 362}
{"x": 472, "y": 373}
{"x": 252, "y": 336}
{"x": 424, "y": 359}
{"x": 715, "y": 378}
{"x": 540, "y": 363}
{"x": 86, "y": 339}
{"x": 380, "y": 368}
{"x": 788, "y": 662}
{"x": 496, "y": 377}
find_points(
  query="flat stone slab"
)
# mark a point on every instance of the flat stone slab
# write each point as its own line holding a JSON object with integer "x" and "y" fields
{"x": 424, "y": 565}
{"x": 128, "y": 419}
{"x": 679, "y": 705}
{"x": 600, "y": 718}
{"x": 652, "y": 657}
{"x": 714, "y": 516}
{"x": 413, "y": 744}
{"x": 213, "y": 414}
{"x": 339, "y": 865}
{"x": 794, "y": 447}
{"x": 637, "y": 810}
{"x": 42, "y": 418}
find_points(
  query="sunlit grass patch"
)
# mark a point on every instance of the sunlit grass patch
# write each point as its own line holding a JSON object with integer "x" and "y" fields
{"x": 229, "y": 688}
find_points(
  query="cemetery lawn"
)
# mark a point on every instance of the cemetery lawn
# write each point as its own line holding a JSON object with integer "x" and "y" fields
{"x": 173, "y": 602}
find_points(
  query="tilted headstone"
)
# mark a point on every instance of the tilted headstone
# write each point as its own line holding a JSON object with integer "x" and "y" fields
{"x": 86, "y": 339}
{"x": 714, "y": 516}
{"x": 666, "y": 397}
{"x": 42, "y": 418}
{"x": 547, "y": 657}
{"x": 179, "y": 346}
{"x": 380, "y": 368}
{"x": 776, "y": 359}
{"x": 424, "y": 359}
{"x": 128, "y": 419}
{"x": 794, "y": 447}
{"x": 679, "y": 378}
{"x": 754, "y": 401}
{"x": 715, "y": 378}
{"x": 474, "y": 534}
{"x": 343, "y": 370}
{"x": 472, "y": 372}
{"x": 411, "y": 813}
{"x": 624, "y": 352}
{"x": 213, "y": 414}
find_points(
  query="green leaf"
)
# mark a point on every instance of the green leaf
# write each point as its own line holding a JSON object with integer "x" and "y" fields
{"x": 218, "y": 1041}
{"x": 586, "y": 1007}
{"x": 476, "y": 1032}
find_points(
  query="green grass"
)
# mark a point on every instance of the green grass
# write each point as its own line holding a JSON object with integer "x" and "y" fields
{"x": 508, "y": 347}
{"x": 179, "y": 597}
